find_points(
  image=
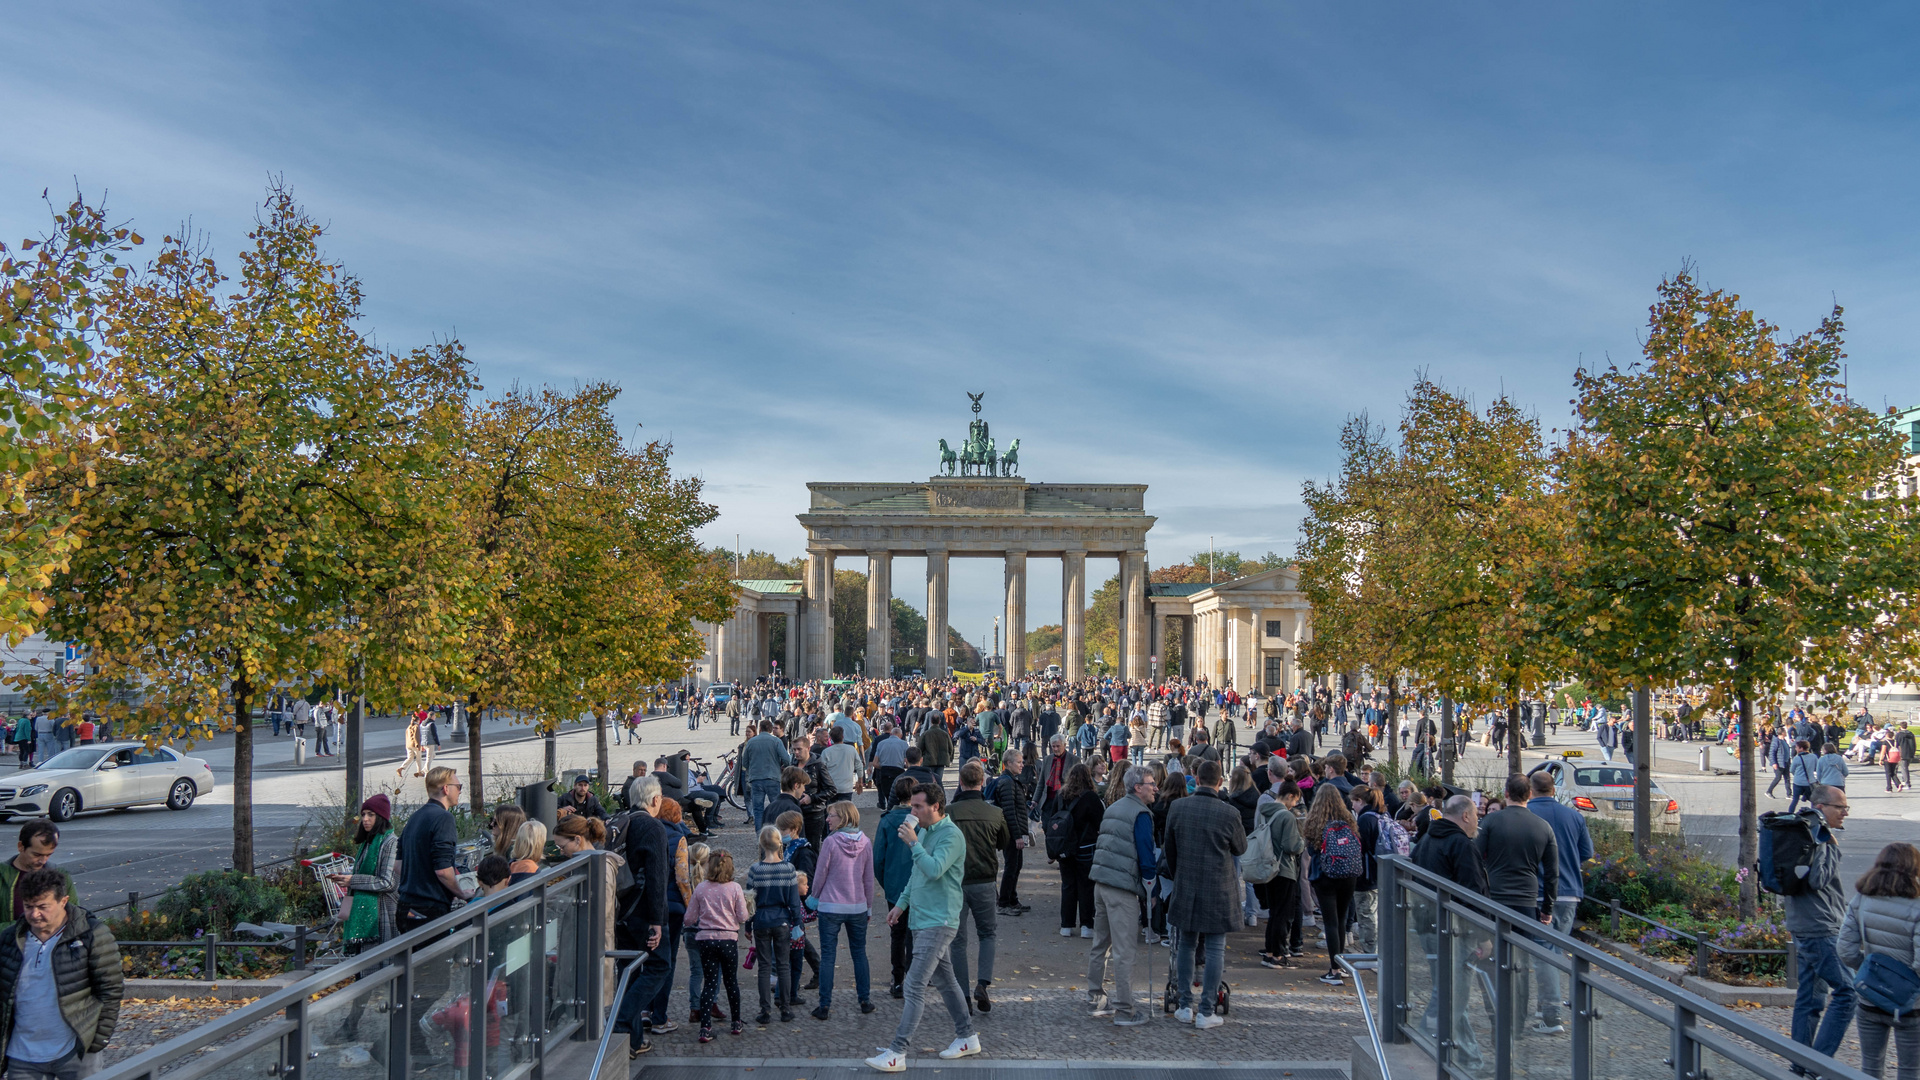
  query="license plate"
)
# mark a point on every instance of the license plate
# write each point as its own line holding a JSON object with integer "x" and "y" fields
{"x": 1623, "y": 804}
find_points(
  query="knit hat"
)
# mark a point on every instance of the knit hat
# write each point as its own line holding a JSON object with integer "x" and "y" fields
{"x": 379, "y": 804}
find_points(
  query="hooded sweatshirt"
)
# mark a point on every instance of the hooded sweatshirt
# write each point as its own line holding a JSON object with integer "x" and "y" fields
{"x": 843, "y": 878}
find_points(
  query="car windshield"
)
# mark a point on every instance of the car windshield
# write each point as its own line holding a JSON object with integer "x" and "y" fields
{"x": 1603, "y": 777}
{"x": 80, "y": 757}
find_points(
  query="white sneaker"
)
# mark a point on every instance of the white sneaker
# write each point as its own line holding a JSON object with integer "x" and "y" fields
{"x": 960, "y": 1048}
{"x": 1541, "y": 1027}
{"x": 888, "y": 1061}
{"x": 1086, "y": 931}
{"x": 1149, "y": 937}
{"x": 1204, "y": 1021}
{"x": 1183, "y": 1016}
{"x": 1066, "y": 931}
{"x": 1102, "y": 1007}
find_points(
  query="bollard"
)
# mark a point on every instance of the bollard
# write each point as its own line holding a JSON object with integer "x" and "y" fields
{"x": 1613, "y": 914}
{"x": 133, "y": 904}
{"x": 1700, "y": 958}
{"x": 213, "y": 942}
{"x": 1705, "y": 765}
{"x": 300, "y": 948}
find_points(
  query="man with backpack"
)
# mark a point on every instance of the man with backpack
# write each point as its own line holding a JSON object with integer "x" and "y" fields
{"x": 1816, "y": 905}
{"x": 1574, "y": 845}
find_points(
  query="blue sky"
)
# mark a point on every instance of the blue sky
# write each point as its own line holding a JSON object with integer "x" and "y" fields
{"x": 1176, "y": 244}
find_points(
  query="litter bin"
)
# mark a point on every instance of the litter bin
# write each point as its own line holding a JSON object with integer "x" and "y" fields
{"x": 1706, "y": 765}
{"x": 300, "y": 750}
{"x": 540, "y": 803}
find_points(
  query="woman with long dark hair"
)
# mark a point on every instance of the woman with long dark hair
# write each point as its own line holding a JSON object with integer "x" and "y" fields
{"x": 1329, "y": 830}
{"x": 367, "y": 915}
{"x": 1084, "y": 810}
{"x": 1884, "y": 918}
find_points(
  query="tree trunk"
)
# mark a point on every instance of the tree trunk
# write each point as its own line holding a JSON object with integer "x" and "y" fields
{"x": 600, "y": 751}
{"x": 1749, "y": 814}
{"x": 1516, "y": 736}
{"x": 478, "y": 797}
{"x": 243, "y": 775}
{"x": 1447, "y": 743}
{"x": 1393, "y": 726}
{"x": 1642, "y": 772}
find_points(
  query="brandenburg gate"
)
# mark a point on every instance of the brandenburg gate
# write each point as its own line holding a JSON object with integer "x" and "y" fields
{"x": 970, "y": 517}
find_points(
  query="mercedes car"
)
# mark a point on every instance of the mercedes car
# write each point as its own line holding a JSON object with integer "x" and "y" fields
{"x": 1605, "y": 790}
{"x": 102, "y": 777}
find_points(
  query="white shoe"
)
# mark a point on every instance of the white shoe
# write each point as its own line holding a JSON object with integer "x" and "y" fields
{"x": 960, "y": 1048}
{"x": 1149, "y": 937}
{"x": 1204, "y": 1021}
{"x": 1102, "y": 1007}
{"x": 888, "y": 1061}
{"x": 1086, "y": 931}
{"x": 1183, "y": 1016}
{"x": 1066, "y": 931}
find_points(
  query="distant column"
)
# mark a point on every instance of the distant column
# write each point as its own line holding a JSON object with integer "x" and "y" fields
{"x": 937, "y": 646}
{"x": 1016, "y": 650}
{"x": 1073, "y": 604}
{"x": 1133, "y": 579}
{"x": 1219, "y": 629}
{"x": 1158, "y": 646}
{"x": 879, "y": 616}
{"x": 819, "y": 620}
{"x": 790, "y": 656}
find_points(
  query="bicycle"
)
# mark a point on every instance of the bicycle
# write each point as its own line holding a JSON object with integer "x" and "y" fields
{"x": 729, "y": 782}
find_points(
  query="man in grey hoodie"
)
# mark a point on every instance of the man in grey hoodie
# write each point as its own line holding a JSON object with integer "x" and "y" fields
{"x": 1814, "y": 918}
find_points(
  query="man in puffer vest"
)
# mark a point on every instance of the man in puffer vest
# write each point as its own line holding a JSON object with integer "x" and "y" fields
{"x": 1123, "y": 863}
{"x": 60, "y": 983}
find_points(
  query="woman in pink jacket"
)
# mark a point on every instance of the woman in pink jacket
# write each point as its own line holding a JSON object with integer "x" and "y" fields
{"x": 842, "y": 892}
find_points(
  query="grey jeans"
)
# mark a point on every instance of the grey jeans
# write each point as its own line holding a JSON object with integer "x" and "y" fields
{"x": 72, "y": 1067}
{"x": 981, "y": 903}
{"x": 1548, "y": 974}
{"x": 1116, "y": 914}
{"x": 932, "y": 963}
{"x": 1875, "y": 1028}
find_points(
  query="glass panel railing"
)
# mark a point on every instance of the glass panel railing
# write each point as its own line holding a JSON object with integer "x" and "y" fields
{"x": 562, "y": 941}
{"x": 1628, "y": 1044}
{"x": 259, "y": 1057}
{"x": 1471, "y": 1052}
{"x": 1422, "y": 950}
{"x": 347, "y": 1031}
{"x": 515, "y": 978}
{"x": 1542, "y": 978}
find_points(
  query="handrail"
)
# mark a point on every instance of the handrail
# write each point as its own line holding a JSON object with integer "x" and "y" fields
{"x": 1355, "y": 963}
{"x": 1518, "y": 939}
{"x": 464, "y": 928}
{"x": 619, "y": 991}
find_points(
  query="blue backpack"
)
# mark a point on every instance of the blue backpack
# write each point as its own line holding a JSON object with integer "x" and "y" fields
{"x": 1887, "y": 984}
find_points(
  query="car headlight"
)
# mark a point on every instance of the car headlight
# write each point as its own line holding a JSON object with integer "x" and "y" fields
{"x": 36, "y": 789}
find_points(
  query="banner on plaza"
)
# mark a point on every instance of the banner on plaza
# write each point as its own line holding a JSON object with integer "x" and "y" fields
{"x": 970, "y": 676}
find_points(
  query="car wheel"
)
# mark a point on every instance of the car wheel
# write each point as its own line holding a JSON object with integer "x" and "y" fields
{"x": 65, "y": 804}
{"x": 181, "y": 796}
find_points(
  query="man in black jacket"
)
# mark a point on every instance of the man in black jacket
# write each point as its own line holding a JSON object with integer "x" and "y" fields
{"x": 1448, "y": 850}
{"x": 1522, "y": 859}
{"x": 1299, "y": 743}
{"x": 1012, "y": 796}
{"x": 642, "y": 911}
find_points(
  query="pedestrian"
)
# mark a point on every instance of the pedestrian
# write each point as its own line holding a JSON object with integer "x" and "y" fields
{"x": 61, "y": 980}
{"x": 930, "y": 905}
{"x": 429, "y": 882}
{"x": 985, "y": 828}
{"x": 842, "y": 895}
{"x": 1883, "y": 919}
{"x": 777, "y": 914}
{"x": 642, "y": 920}
{"x": 1574, "y": 846}
{"x": 1780, "y": 756}
{"x": 1447, "y": 851}
{"x": 371, "y": 901}
{"x": 1370, "y": 816}
{"x": 718, "y": 909}
{"x": 1522, "y": 857}
{"x": 414, "y": 751}
{"x": 1009, "y": 791}
{"x": 1337, "y": 863}
{"x": 39, "y": 838}
{"x": 936, "y": 752}
{"x": 1124, "y": 863}
{"x": 1279, "y": 822}
{"x": 1833, "y": 767}
{"x": 1076, "y": 822}
{"x": 762, "y": 759}
{"x": 1607, "y": 737}
{"x": 1203, "y": 838}
{"x": 1814, "y": 918}
{"x": 1804, "y": 772}
{"x": 893, "y": 866}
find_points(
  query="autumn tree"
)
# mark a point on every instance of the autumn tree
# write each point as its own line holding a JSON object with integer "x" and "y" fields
{"x": 264, "y": 459}
{"x": 53, "y": 319}
{"x": 1728, "y": 520}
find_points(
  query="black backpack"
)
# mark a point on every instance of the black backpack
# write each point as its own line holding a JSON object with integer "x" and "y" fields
{"x": 617, "y": 826}
{"x": 1788, "y": 843}
{"x": 1059, "y": 830}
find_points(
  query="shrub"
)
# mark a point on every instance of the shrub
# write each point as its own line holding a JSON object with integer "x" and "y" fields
{"x": 214, "y": 901}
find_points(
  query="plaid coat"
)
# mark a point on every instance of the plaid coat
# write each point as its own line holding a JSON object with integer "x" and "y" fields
{"x": 1204, "y": 836}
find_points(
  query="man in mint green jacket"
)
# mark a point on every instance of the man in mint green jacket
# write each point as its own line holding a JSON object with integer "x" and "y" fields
{"x": 931, "y": 904}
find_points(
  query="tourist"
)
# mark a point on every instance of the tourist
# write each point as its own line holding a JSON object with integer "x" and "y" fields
{"x": 1010, "y": 792}
{"x": 673, "y": 819}
{"x": 1283, "y": 939}
{"x": 1370, "y": 816}
{"x": 1338, "y": 862}
{"x": 887, "y": 758}
{"x": 1082, "y": 809}
{"x": 39, "y": 839}
{"x": 936, "y": 752}
{"x": 1574, "y": 846}
{"x": 1448, "y": 851}
{"x": 643, "y": 919}
{"x": 893, "y": 865}
{"x": 930, "y": 905}
{"x": 985, "y": 829}
{"x": 429, "y": 882}
{"x": 1814, "y": 917}
{"x": 64, "y": 1002}
{"x": 367, "y": 909}
{"x": 718, "y": 909}
{"x": 1833, "y": 767}
{"x": 763, "y": 760}
{"x": 1805, "y": 772}
{"x": 1124, "y": 864}
{"x": 777, "y": 914}
{"x": 580, "y": 799}
{"x": 842, "y": 895}
{"x": 1203, "y": 838}
{"x": 529, "y": 847}
{"x": 1884, "y": 918}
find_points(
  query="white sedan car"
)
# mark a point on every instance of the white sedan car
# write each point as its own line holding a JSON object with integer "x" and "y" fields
{"x": 105, "y": 776}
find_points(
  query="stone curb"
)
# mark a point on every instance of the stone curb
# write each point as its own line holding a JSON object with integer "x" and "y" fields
{"x": 223, "y": 990}
{"x": 1083, "y": 1064}
{"x": 1717, "y": 992}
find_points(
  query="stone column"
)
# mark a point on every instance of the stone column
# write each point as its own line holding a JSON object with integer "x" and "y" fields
{"x": 790, "y": 656}
{"x": 1133, "y": 579}
{"x": 937, "y": 619}
{"x": 1218, "y": 630}
{"x": 879, "y": 615}
{"x": 1073, "y": 614}
{"x": 819, "y": 621}
{"x": 1016, "y": 650}
{"x": 1158, "y": 646}
{"x": 1189, "y": 647}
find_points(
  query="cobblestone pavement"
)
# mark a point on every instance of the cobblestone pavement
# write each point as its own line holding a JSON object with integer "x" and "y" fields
{"x": 146, "y": 1023}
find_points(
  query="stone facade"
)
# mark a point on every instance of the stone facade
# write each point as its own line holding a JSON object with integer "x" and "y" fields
{"x": 1246, "y": 632}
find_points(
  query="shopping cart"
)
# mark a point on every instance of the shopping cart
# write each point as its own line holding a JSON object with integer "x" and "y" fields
{"x": 324, "y": 867}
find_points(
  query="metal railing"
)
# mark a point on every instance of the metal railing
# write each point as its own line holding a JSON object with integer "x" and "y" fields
{"x": 1460, "y": 976}
{"x": 486, "y": 992}
{"x": 1703, "y": 950}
